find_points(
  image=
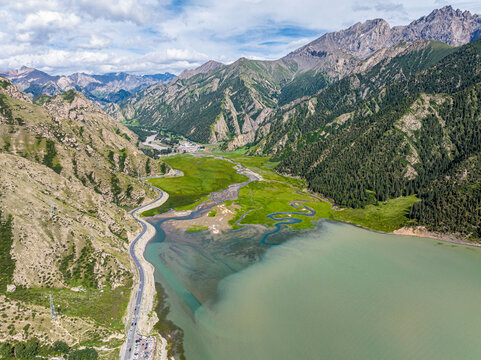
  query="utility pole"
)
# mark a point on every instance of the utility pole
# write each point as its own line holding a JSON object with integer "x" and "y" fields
{"x": 73, "y": 179}
{"x": 53, "y": 314}
{"x": 91, "y": 235}
{"x": 116, "y": 207}
{"x": 99, "y": 162}
{"x": 52, "y": 208}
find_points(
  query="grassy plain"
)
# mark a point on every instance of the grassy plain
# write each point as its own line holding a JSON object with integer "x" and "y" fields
{"x": 259, "y": 199}
{"x": 202, "y": 176}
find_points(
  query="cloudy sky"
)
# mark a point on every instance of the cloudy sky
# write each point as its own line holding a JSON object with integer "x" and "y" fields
{"x": 151, "y": 36}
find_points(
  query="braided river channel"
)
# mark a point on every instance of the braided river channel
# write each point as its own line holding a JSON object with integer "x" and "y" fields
{"x": 333, "y": 292}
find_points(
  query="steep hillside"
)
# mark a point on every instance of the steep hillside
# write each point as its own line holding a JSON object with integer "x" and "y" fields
{"x": 213, "y": 106}
{"x": 288, "y": 128}
{"x": 68, "y": 164}
{"x": 416, "y": 136}
{"x": 230, "y": 103}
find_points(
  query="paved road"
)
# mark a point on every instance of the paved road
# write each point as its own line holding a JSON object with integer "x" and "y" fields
{"x": 133, "y": 325}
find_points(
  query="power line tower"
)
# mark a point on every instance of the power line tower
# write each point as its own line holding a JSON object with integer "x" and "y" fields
{"x": 53, "y": 314}
{"x": 91, "y": 235}
{"x": 52, "y": 208}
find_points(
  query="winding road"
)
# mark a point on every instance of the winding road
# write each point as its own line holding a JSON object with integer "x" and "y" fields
{"x": 140, "y": 291}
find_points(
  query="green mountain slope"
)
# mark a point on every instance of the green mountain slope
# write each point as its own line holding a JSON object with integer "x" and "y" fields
{"x": 214, "y": 106}
{"x": 417, "y": 136}
{"x": 235, "y": 104}
{"x": 300, "y": 124}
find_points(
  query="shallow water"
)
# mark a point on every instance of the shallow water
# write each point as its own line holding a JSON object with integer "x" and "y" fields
{"x": 337, "y": 292}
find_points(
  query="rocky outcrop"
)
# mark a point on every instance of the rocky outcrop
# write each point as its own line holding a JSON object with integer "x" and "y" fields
{"x": 13, "y": 91}
{"x": 73, "y": 109}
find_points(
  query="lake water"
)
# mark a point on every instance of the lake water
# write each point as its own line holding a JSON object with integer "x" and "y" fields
{"x": 336, "y": 292}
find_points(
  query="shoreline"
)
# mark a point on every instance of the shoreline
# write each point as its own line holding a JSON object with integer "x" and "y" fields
{"x": 421, "y": 231}
{"x": 146, "y": 323}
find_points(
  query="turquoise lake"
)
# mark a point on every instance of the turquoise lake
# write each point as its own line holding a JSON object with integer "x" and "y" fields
{"x": 336, "y": 292}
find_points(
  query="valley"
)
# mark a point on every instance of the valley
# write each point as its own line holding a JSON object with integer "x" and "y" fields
{"x": 325, "y": 203}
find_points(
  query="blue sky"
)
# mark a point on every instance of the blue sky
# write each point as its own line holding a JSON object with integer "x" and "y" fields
{"x": 150, "y": 36}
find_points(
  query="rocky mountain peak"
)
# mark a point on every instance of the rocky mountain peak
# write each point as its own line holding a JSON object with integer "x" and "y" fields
{"x": 361, "y": 40}
{"x": 28, "y": 74}
{"x": 25, "y": 70}
{"x": 453, "y": 27}
{"x": 448, "y": 10}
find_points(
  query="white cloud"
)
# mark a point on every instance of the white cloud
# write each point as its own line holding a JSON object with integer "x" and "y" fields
{"x": 173, "y": 60}
{"x": 49, "y": 20}
{"x": 38, "y": 27}
{"x": 120, "y": 10}
{"x": 166, "y": 35}
{"x": 97, "y": 42}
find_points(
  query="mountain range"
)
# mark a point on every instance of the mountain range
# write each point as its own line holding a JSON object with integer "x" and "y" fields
{"x": 101, "y": 89}
{"x": 230, "y": 103}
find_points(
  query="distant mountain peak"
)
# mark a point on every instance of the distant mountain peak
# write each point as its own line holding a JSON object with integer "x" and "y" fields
{"x": 101, "y": 89}
{"x": 26, "y": 68}
{"x": 204, "y": 68}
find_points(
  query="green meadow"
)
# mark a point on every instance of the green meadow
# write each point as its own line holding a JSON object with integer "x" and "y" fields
{"x": 387, "y": 216}
{"x": 259, "y": 199}
{"x": 202, "y": 176}
{"x": 275, "y": 193}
